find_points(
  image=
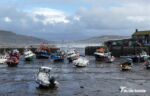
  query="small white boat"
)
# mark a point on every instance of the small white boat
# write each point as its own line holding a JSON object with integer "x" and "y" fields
{"x": 44, "y": 79}
{"x": 81, "y": 62}
{"x": 3, "y": 58}
{"x": 72, "y": 55}
{"x": 28, "y": 55}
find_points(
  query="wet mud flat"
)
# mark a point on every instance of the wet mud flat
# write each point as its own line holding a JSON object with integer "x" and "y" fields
{"x": 97, "y": 79}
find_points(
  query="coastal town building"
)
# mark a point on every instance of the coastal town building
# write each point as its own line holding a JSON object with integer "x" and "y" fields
{"x": 142, "y": 36}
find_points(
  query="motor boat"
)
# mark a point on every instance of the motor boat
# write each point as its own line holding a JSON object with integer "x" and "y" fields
{"x": 81, "y": 62}
{"x": 13, "y": 59}
{"x": 28, "y": 55}
{"x": 45, "y": 79}
{"x": 3, "y": 59}
{"x": 72, "y": 55}
{"x": 127, "y": 64}
{"x": 58, "y": 55}
{"x": 102, "y": 55}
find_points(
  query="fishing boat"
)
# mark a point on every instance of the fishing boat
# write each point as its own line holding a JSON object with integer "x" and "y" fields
{"x": 28, "y": 55}
{"x": 58, "y": 55}
{"x": 13, "y": 59}
{"x": 102, "y": 55}
{"x": 72, "y": 55}
{"x": 126, "y": 65}
{"x": 45, "y": 79}
{"x": 3, "y": 59}
{"x": 43, "y": 52}
{"x": 81, "y": 62}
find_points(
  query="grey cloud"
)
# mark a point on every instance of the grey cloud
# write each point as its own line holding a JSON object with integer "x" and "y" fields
{"x": 121, "y": 18}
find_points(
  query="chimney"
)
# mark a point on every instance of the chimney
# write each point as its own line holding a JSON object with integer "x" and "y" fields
{"x": 136, "y": 30}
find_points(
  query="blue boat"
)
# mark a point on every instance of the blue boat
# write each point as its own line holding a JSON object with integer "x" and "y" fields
{"x": 43, "y": 52}
{"x": 42, "y": 55}
{"x": 58, "y": 55}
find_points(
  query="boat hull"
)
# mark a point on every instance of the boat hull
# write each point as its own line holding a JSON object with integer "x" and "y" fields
{"x": 12, "y": 64}
{"x": 57, "y": 58}
{"x": 137, "y": 59}
{"x": 29, "y": 58}
{"x": 71, "y": 59}
{"x": 2, "y": 61}
{"x": 147, "y": 66}
{"x": 100, "y": 58}
{"x": 42, "y": 55}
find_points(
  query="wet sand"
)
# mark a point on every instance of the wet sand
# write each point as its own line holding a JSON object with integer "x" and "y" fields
{"x": 97, "y": 79}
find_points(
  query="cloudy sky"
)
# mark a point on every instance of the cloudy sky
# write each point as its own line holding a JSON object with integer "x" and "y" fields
{"x": 74, "y": 19}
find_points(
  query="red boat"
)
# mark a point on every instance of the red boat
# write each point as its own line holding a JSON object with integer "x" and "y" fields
{"x": 13, "y": 59}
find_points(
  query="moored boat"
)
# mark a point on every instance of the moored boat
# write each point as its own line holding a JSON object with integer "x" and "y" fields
{"x": 102, "y": 55}
{"x": 3, "y": 59}
{"x": 138, "y": 57}
{"x": 81, "y": 62}
{"x": 44, "y": 78}
{"x": 43, "y": 52}
{"x": 13, "y": 59}
{"x": 58, "y": 55}
{"x": 127, "y": 65}
{"x": 28, "y": 55}
{"x": 72, "y": 55}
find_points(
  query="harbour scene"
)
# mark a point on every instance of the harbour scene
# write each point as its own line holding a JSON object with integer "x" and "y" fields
{"x": 74, "y": 48}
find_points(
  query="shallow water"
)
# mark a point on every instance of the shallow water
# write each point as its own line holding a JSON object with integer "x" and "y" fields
{"x": 97, "y": 79}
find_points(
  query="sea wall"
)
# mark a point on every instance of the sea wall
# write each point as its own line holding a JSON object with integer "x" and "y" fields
{"x": 3, "y": 50}
{"x": 6, "y": 48}
{"x": 118, "y": 51}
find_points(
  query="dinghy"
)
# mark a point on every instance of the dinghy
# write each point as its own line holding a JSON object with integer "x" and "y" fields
{"x": 126, "y": 65}
{"x": 44, "y": 78}
{"x": 81, "y": 62}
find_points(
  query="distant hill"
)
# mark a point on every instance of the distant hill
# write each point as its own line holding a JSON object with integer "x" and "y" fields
{"x": 7, "y": 37}
{"x": 101, "y": 39}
